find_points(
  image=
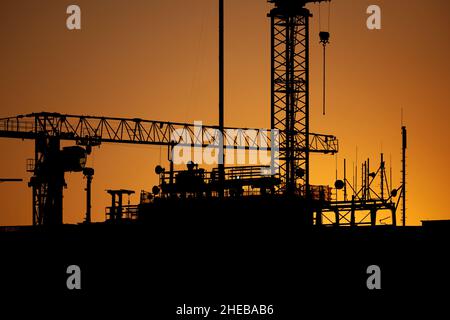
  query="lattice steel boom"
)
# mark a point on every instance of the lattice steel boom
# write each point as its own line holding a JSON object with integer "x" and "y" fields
{"x": 92, "y": 130}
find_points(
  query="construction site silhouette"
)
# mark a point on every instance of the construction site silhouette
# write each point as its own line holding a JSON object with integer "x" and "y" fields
{"x": 253, "y": 233}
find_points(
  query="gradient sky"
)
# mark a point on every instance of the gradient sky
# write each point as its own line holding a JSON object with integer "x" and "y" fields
{"x": 158, "y": 60}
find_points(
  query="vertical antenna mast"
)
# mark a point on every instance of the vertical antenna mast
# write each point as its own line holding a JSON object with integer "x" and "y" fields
{"x": 403, "y": 175}
{"x": 390, "y": 172}
{"x": 345, "y": 180}
{"x": 356, "y": 171}
{"x": 382, "y": 176}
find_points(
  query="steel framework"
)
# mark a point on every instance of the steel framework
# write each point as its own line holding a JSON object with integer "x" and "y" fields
{"x": 365, "y": 203}
{"x": 47, "y": 182}
{"x": 290, "y": 90}
{"x": 93, "y": 130}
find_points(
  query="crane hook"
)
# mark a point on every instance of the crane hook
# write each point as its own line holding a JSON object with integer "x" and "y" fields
{"x": 324, "y": 40}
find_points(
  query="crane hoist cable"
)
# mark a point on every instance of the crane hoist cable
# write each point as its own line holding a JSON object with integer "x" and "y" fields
{"x": 324, "y": 40}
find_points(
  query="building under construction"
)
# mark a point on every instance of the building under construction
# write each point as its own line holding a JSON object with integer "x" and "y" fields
{"x": 284, "y": 184}
{"x": 231, "y": 208}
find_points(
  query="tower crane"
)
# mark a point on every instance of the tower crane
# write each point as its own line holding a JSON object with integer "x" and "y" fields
{"x": 289, "y": 20}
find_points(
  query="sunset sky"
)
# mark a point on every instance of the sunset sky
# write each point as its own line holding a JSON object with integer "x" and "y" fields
{"x": 157, "y": 60}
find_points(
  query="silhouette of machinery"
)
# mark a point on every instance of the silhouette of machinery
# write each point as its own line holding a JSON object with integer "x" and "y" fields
{"x": 118, "y": 210}
{"x": 198, "y": 182}
{"x": 47, "y": 182}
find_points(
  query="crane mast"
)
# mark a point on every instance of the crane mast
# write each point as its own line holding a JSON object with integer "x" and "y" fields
{"x": 289, "y": 20}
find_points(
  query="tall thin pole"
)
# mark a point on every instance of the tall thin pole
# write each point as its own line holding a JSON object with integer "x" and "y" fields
{"x": 221, "y": 99}
{"x": 390, "y": 172}
{"x": 363, "y": 179}
{"x": 403, "y": 175}
{"x": 356, "y": 170}
{"x": 345, "y": 180}
{"x": 336, "y": 176}
{"x": 382, "y": 176}
{"x": 367, "y": 179}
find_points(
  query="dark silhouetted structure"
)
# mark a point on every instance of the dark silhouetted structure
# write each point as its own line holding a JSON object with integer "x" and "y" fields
{"x": 10, "y": 180}
{"x": 255, "y": 188}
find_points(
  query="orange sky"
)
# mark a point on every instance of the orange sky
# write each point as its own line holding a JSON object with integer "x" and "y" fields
{"x": 158, "y": 60}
